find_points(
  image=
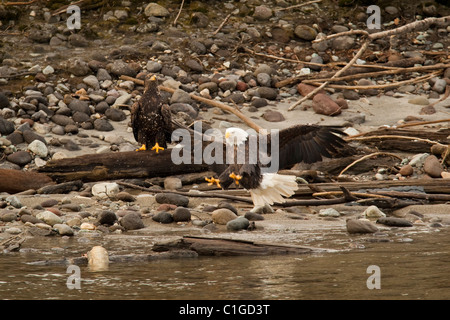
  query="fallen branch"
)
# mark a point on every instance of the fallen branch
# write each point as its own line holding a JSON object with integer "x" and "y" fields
{"x": 394, "y": 137}
{"x": 368, "y": 39}
{"x": 20, "y": 3}
{"x": 380, "y": 73}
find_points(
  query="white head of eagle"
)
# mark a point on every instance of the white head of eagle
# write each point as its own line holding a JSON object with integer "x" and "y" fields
{"x": 235, "y": 136}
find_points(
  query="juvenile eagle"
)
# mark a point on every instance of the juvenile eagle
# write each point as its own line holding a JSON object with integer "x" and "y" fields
{"x": 300, "y": 143}
{"x": 150, "y": 119}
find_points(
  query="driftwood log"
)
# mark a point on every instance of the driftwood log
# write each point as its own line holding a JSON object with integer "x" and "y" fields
{"x": 120, "y": 165}
{"x": 14, "y": 181}
{"x": 204, "y": 246}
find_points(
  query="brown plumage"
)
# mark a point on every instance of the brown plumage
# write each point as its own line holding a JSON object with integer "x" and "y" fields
{"x": 151, "y": 119}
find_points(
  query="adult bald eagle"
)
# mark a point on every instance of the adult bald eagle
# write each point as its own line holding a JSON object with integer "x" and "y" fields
{"x": 300, "y": 143}
{"x": 150, "y": 119}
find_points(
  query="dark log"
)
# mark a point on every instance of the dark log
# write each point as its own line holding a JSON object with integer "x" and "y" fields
{"x": 229, "y": 247}
{"x": 14, "y": 181}
{"x": 120, "y": 165}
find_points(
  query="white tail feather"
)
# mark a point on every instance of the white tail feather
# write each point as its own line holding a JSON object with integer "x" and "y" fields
{"x": 272, "y": 189}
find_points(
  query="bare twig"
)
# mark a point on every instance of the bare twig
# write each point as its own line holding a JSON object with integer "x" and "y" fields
{"x": 179, "y": 12}
{"x": 354, "y": 138}
{"x": 337, "y": 74}
{"x": 18, "y": 3}
{"x": 298, "y": 5}
{"x": 222, "y": 24}
{"x": 375, "y": 154}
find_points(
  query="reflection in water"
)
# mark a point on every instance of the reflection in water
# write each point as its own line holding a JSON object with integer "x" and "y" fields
{"x": 409, "y": 270}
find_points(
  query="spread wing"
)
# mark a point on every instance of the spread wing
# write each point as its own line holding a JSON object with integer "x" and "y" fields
{"x": 307, "y": 143}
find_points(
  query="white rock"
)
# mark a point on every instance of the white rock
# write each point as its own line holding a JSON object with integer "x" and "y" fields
{"x": 59, "y": 155}
{"x": 98, "y": 259}
{"x": 63, "y": 229}
{"x": 103, "y": 149}
{"x": 329, "y": 212}
{"x": 48, "y": 70}
{"x": 39, "y": 148}
{"x": 418, "y": 159}
{"x": 39, "y": 162}
{"x": 373, "y": 212}
{"x": 123, "y": 99}
{"x": 105, "y": 189}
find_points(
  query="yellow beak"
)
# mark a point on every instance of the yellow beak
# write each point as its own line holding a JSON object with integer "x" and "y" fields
{"x": 227, "y": 135}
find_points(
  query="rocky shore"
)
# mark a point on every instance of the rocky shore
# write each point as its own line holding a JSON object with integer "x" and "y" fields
{"x": 61, "y": 95}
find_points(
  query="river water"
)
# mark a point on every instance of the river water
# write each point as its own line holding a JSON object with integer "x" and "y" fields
{"x": 415, "y": 266}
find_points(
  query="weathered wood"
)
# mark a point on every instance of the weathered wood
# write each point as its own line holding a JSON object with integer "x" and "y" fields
{"x": 204, "y": 246}
{"x": 14, "y": 181}
{"x": 438, "y": 186}
{"x": 119, "y": 165}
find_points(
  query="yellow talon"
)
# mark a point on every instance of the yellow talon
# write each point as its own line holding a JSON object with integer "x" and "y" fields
{"x": 236, "y": 178}
{"x": 157, "y": 147}
{"x": 142, "y": 148}
{"x": 212, "y": 181}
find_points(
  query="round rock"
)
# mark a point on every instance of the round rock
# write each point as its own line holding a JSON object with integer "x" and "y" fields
{"x": 172, "y": 198}
{"x": 222, "y": 216}
{"x": 132, "y": 221}
{"x": 163, "y": 217}
{"x": 237, "y": 224}
{"x": 181, "y": 214}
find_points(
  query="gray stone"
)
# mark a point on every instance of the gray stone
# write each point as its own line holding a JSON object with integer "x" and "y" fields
{"x": 119, "y": 68}
{"x": 237, "y": 224}
{"x": 132, "y": 221}
{"x": 78, "y": 67}
{"x": 172, "y": 198}
{"x": 103, "y": 125}
{"x": 373, "y": 212}
{"x": 20, "y": 158}
{"x": 439, "y": 86}
{"x": 329, "y": 212}
{"x": 184, "y": 107}
{"x": 107, "y": 217}
{"x": 63, "y": 229}
{"x": 264, "y": 79}
{"x": 419, "y": 100}
{"x": 163, "y": 217}
{"x": 180, "y": 96}
{"x": 8, "y": 216}
{"x": 273, "y": 116}
{"x": 79, "y": 117}
{"x": 153, "y": 66}
{"x": 38, "y": 148}
{"x": 6, "y": 127}
{"x": 253, "y": 216}
{"x": 343, "y": 43}
{"x": 77, "y": 40}
{"x": 125, "y": 196}
{"x": 194, "y": 65}
{"x": 115, "y": 114}
{"x": 181, "y": 214}
{"x": 262, "y": 13}
{"x": 92, "y": 81}
{"x": 267, "y": 93}
{"x": 4, "y": 101}
{"x": 228, "y": 85}
{"x": 79, "y": 105}
{"x": 29, "y": 218}
{"x": 103, "y": 74}
{"x": 264, "y": 68}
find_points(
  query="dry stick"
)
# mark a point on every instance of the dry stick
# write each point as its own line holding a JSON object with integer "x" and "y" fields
{"x": 421, "y": 123}
{"x": 179, "y": 12}
{"x": 222, "y": 24}
{"x": 298, "y": 5}
{"x": 210, "y": 102}
{"x": 18, "y": 3}
{"x": 356, "y": 194}
{"x": 379, "y": 86}
{"x": 287, "y": 59}
{"x": 380, "y": 73}
{"x": 367, "y": 157}
{"x": 337, "y": 74}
